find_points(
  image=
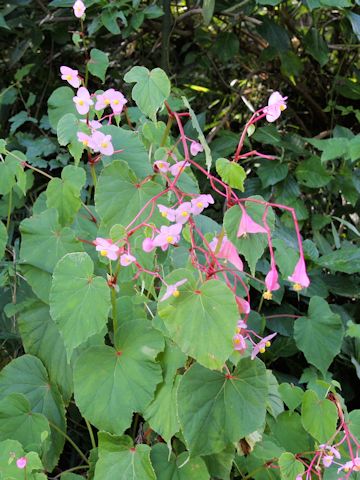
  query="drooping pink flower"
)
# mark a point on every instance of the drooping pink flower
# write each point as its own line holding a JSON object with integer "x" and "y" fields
{"x": 247, "y": 225}
{"x": 102, "y": 143}
{"x": 239, "y": 343}
{"x": 227, "y": 251}
{"x": 148, "y": 245}
{"x": 199, "y": 203}
{"x": 276, "y": 104}
{"x": 261, "y": 346}
{"x": 162, "y": 166}
{"x": 167, "y": 213}
{"x": 271, "y": 282}
{"x": 243, "y": 305}
{"x": 112, "y": 98}
{"x": 127, "y": 259}
{"x": 107, "y": 248}
{"x": 79, "y": 8}
{"x": 70, "y": 75}
{"x": 83, "y": 101}
{"x": 172, "y": 290}
{"x": 168, "y": 236}
{"x": 299, "y": 276}
{"x": 183, "y": 212}
{"x": 21, "y": 462}
{"x": 196, "y": 148}
{"x": 175, "y": 169}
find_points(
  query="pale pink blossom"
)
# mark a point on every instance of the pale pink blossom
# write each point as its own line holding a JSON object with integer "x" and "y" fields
{"x": 162, "y": 166}
{"x": 199, "y": 203}
{"x": 271, "y": 282}
{"x": 102, "y": 143}
{"x": 327, "y": 460}
{"x": 167, "y": 213}
{"x": 148, "y": 245}
{"x": 261, "y": 346}
{"x": 93, "y": 124}
{"x": 183, "y": 212}
{"x": 239, "y": 343}
{"x": 83, "y": 101}
{"x": 175, "y": 169}
{"x": 276, "y": 104}
{"x": 243, "y": 305}
{"x": 196, "y": 148}
{"x": 79, "y": 8}
{"x": 172, "y": 290}
{"x": 299, "y": 276}
{"x": 298, "y": 477}
{"x": 352, "y": 465}
{"x": 21, "y": 462}
{"x": 168, "y": 236}
{"x": 247, "y": 225}
{"x": 330, "y": 450}
{"x": 112, "y": 98}
{"x": 127, "y": 259}
{"x": 107, "y": 248}
{"x": 85, "y": 139}
{"x": 227, "y": 251}
{"x": 70, "y": 75}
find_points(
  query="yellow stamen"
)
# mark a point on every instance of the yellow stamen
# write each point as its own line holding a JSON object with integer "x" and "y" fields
{"x": 282, "y": 107}
{"x": 85, "y": 142}
{"x": 199, "y": 204}
{"x": 184, "y": 214}
{"x": 267, "y": 295}
{"x": 107, "y": 101}
{"x": 262, "y": 350}
{"x": 81, "y": 102}
{"x": 176, "y": 293}
{"x": 116, "y": 102}
{"x": 297, "y": 287}
{"x": 103, "y": 253}
{"x": 238, "y": 330}
{"x": 169, "y": 239}
{"x": 237, "y": 341}
{"x": 104, "y": 145}
{"x": 164, "y": 214}
{"x": 268, "y": 344}
{"x": 68, "y": 77}
{"x": 161, "y": 165}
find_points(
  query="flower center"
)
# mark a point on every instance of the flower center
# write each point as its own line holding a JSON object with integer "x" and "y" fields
{"x": 184, "y": 214}
{"x": 104, "y": 145}
{"x": 282, "y": 107}
{"x": 297, "y": 287}
{"x": 107, "y": 101}
{"x": 68, "y": 77}
{"x": 116, "y": 102}
{"x": 81, "y": 102}
{"x": 176, "y": 293}
{"x": 164, "y": 214}
{"x": 103, "y": 253}
{"x": 169, "y": 238}
{"x": 262, "y": 350}
{"x": 199, "y": 204}
{"x": 267, "y": 295}
{"x": 268, "y": 344}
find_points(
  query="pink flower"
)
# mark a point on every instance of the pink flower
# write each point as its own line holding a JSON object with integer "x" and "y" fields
{"x": 299, "y": 276}
{"x": 247, "y": 225}
{"x": 21, "y": 462}
{"x": 107, "y": 248}
{"x": 239, "y": 343}
{"x": 168, "y": 236}
{"x": 162, "y": 166}
{"x": 79, "y": 8}
{"x": 330, "y": 450}
{"x": 95, "y": 125}
{"x": 175, "y": 169}
{"x": 271, "y": 282}
{"x": 261, "y": 346}
{"x": 166, "y": 212}
{"x": 276, "y": 104}
{"x": 195, "y": 148}
{"x": 148, "y": 245}
{"x": 199, "y": 203}
{"x": 83, "y": 101}
{"x": 183, "y": 212}
{"x": 352, "y": 465}
{"x": 227, "y": 251}
{"x": 70, "y": 76}
{"x": 327, "y": 460}
{"x": 173, "y": 290}
{"x": 112, "y": 98}
{"x": 102, "y": 143}
{"x": 127, "y": 259}
{"x": 85, "y": 139}
{"x": 298, "y": 477}
{"x": 243, "y": 305}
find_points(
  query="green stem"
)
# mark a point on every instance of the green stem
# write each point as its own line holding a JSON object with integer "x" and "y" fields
{"x": 91, "y": 434}
{"x": 93, "y": 174}
{"x": 261, "y": 303}
{"x": 113, "y": 303}
{"x": 220, "y": 240}
{"x": 167, "y": 131}
{"x": 9, "y": 211}
{"x": 72, "y": 443}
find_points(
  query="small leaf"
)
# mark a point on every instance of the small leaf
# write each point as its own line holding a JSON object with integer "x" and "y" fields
{"x": 289, "y": 466}
{"x": 291, "y": 395}
{"x": 208, "y": 10}
{"x": 231, "y": 173}
{"x": 319, "y": 417}
{"x": 98, "y": 63}
{"x": 346, "y": 259}
{"x": 67, "y": 128}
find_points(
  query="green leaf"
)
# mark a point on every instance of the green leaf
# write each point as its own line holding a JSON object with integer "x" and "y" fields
{"x": 316, "y": 46}
{"x": 268, "y": 135}
{"x": 319, "y": 417}
{"x": 346, "y": 259}
{"x": 272, "y": 172}
{"x": 67, "y": 129}
{"x": 126, "y": 378}
{"x": 215, "y": 411}
{"x": 219, "y": 465}
{"x": 124, "y": 463}
{"x": 3, "y": 239}
{"x": 64, "y": 194}
{"x": 177, "y": 468}
{"x": 10, "y": 450}
{"x": 205, "y": 304}
{"x": 118, "y": 198}
{"x": 290, "y": 434}
{"x": 98, "y": 63}
{"x": 39, "y": 281}
{"x": 12, "y": 172}
{"x": 19, "y": 422}
{"x": 276, "y": 35}
{"x": 61, "y": 103}
{"x": 291, "y": 395}
{"x": 231, "y": 173}
{"x": 27, "y": 375}
{"x": 41, "y": 337}
{"x": 208, "y": 10}
{"x": 151, "y": 90}
{"x": 312, "y": 173}
{"x": 44, "y": 242}
{"x": 79, "y": 301}
{"x": 289, "y": 466}
{"x": 319, "y": 335}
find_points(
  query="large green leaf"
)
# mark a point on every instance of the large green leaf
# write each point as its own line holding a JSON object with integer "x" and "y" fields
{"x": 126, "y": 377}
{"x": 319, "y": 416}
{"x": 312, "y": 173}
{"x": 123, "y": 463}
{"x": 27, "y": 375}
{"x": 253, "y": 245}
{"x": 79, "y": 301}
{"x": 289, "y": 466}
{"x": 118, "y": 196}
{"x": 215, "y": 411}
{"x": 98, "y": 63}
{"x": 346, "y": 259}
{"x": 19, "y": 422}
{"x": 41, "y": 337}
{"x": 177, "y": 468}
{"x": 289, "y": 433}
{"x": 319, "y": 335}
{"x": 39, "y": 281}
{"x": 151, "y": 89}
{"x": 44, "y": 241}
{"x": 195, "y": 319}
{"x": 64, "y": 194}
{"x": 10, "y": 451}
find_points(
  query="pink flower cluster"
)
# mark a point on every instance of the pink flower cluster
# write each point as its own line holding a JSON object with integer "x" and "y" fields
{"x": 109, "y": 249}
{"x": 97, "y": 141}
{"x": 243, "y": 334}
